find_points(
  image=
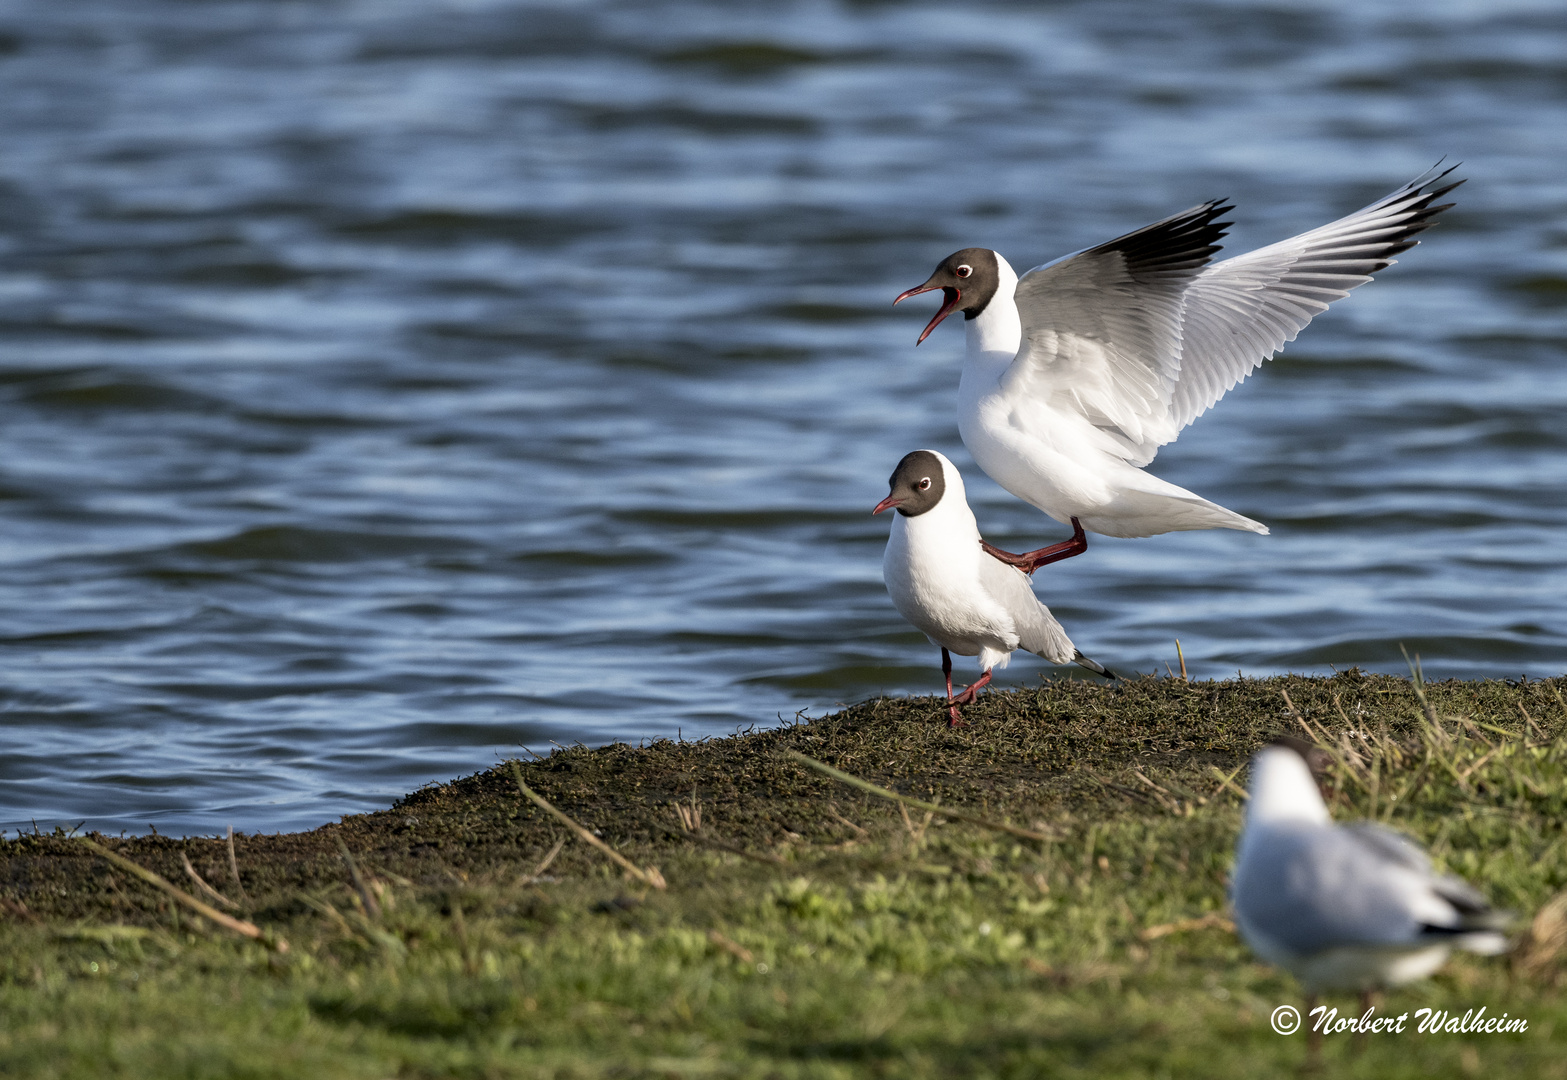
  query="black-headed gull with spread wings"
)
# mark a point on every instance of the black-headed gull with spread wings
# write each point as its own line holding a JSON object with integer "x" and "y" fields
{"x": 961, "y": 598}
{"x": 1081, "y": 369}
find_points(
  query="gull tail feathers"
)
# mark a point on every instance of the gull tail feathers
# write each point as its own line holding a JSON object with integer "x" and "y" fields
{"x": 1484, "y": 942}
{"x": 1093, "y": 665}
{"x": 1480, "y": 927}
{"x": 1148, "y": 513}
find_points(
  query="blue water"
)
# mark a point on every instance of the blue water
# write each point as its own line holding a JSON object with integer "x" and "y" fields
{"x": 384, "y": 386}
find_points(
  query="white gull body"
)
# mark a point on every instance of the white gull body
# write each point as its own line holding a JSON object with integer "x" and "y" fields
{"x": 1079, "y": 371}
{"x": 961, "y": 598}
{"x": 1344, "y": 907}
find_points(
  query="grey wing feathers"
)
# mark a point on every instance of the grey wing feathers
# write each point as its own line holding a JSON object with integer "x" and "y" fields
{"x": 1397, "y": 849}
{"x": 1102, "y": 327}
{"x": 1392, "y": 846}
{"x": 1322, "y": 893}
{"x": 1141, "y": 335}
{"x": 1242, "y": 311}
{"x": 1474, "y": 910}
{"x": 1361, "y": 883}
{"x": 1037, "y": 629}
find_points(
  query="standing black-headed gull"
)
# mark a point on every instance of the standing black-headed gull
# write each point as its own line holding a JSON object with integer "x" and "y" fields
{"x": 1343, "y": 907}
{"x": 1080, "y": 370}
{"x": 943, "y": 582}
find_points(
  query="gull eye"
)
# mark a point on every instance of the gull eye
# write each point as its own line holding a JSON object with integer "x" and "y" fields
{"x": 964, "y": 271}
{"x": 924, "y": 484}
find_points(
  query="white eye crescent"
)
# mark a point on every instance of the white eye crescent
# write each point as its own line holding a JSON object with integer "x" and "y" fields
{"x": 964, "y": 271}
{"x": 924, "y": 484}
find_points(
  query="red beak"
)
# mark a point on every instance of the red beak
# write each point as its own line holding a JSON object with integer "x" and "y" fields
{"x": 953, "y": 296}
{"x": 886, "y": 504}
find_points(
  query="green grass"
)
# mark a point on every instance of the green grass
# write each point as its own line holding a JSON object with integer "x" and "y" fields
{"x": 854, "y": 942}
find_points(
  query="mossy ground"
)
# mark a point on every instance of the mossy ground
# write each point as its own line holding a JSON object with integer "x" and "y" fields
{"x": 851, "y": 941}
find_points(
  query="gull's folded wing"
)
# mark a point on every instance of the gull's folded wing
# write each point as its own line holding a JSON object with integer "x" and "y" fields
{"x": 1037, "y": 629}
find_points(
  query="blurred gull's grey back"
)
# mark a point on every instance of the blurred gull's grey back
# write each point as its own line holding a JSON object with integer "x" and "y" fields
{"x": 1344, "y": 907}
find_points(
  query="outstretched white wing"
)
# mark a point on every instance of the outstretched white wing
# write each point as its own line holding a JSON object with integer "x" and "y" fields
{"x": 1102, "y": 328}
{"x": 1140, "y": 335}
{"x": 1241, "y": 311}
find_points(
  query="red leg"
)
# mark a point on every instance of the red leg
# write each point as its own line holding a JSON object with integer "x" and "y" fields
{"x": 972, "y": 691}
{"x": 954, "y": 718}
{"x": 1030, "y": 561}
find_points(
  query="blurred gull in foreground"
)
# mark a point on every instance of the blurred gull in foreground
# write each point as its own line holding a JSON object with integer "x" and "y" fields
{"x": 943, "y": 582}
{"x": 1080, "y": 370}
{"x": 1344, "y": 907}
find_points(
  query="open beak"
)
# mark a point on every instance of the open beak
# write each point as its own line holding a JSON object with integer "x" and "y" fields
{"x": 952, "y": 295}
{"x": 886, "y": 504}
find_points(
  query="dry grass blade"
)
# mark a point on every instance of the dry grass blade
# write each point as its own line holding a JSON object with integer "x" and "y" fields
{"x": 1354, "y": 770}
{"x": 1211, "y": 921}
{"x": 1480, "y": 763}
{"x": 733, "y": 948}
{"x": 690, "y": 816}
{"x": 916, "y": 832}
{"x": 1144, "y": 797}
{"x": 203, "y": 886}
{"x": 832, "y": 808}
{"x": 733, "y": 849}
{"x": 1182, "y": 657}
{"x": 1418, "y": 681}
{"x": 1144, "y": 778}
{"x": 234, "y": 868}
{"x": 918, "y": 804}
{"x": 207, "y": 911}
{"x": 1544, "y": 941}
{"x": 1318, "y": 734}
{"x": 372, "y": 907}
{"x": 1351, "y": 755}
{"x": 464, "y": 946}
{"x": 544, "y": 863}
{"x": 1176, "y": 794}
{"x": 650, "y": 877}
{"x": 17, "y": 910}
{"x": 324, "y": 908}
{"x": 1229, "y": 781}
{"x": 1534, "y": 728}
{"x": 1171, "y": 804}
{"x": 1475, "y": 731}
{"x": 384, "y": 873}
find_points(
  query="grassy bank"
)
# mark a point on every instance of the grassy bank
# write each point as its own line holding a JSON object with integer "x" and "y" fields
{"x": 808, "y": 928}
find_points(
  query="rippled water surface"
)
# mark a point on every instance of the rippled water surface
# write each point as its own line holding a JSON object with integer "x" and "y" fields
{"x": 388, "y": 385}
